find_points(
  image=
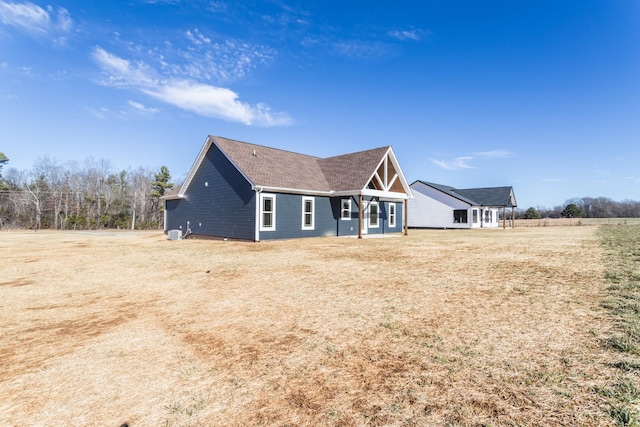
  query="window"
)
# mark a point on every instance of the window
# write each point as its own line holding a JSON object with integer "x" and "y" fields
{"x": 308, "y": 208}
{"x": 392, "y": 214}
{"x": 460, "y": 216}
{"x": 475, "y": 216}
{"x": 487, "y": 215}
{"x": 267, "y": 212}
{"x": 345, "y": 212}
{"x": 373, "y": 215}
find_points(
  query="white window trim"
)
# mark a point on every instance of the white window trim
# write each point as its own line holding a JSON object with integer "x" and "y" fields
{"x": 392, "y": 215}
{"x": 273, "y": 212}
{"x": 313, "y": 212}
{"x": 377, "y": 205}
{"x": 465, "y": 216}
{"x": 348, "y": 218}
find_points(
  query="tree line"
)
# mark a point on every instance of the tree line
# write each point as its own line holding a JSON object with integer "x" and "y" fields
{"x": 93, "y": 195}
{"x": 81, "y": 196}
{"x": 586, "y": 207}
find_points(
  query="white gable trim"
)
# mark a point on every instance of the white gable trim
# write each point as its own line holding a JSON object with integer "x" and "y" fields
{"x": 387, "y": 183}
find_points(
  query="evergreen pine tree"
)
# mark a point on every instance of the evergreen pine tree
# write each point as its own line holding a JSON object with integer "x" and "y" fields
{"x": 162, "y": 183}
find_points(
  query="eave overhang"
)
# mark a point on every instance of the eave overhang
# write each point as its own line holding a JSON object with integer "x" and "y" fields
{"x": 385, "y": 195}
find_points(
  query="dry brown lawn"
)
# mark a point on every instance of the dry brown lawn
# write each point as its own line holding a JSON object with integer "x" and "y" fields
{"x": 474, "y": 327}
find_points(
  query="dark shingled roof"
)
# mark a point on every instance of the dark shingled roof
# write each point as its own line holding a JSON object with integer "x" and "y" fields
{"x": 352, "y": 171}
{"x": 489, "y": 196}
{"x": 271, "y": 167}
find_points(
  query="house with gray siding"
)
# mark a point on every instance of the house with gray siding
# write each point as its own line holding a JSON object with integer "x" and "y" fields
{"x": 240, "y": 190}
{"x": 441, "y": 206}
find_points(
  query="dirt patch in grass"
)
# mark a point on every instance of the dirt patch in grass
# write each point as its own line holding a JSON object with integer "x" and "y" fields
{"x": 441, "y": 327}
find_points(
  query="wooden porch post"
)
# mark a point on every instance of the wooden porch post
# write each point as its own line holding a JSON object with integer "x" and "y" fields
{"x": 504, "y": 217}
{"x": 406, "y": 217}
{"x": 360, "y": 217}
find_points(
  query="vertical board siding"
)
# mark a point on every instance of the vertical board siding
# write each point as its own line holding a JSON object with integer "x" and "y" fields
{"x": 219, "y": 201}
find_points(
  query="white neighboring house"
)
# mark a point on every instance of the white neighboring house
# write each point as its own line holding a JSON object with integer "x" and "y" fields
{"x": 441, "y": 206}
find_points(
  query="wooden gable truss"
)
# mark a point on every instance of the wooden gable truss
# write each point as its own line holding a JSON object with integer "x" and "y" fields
{"x": 386, "y": 183}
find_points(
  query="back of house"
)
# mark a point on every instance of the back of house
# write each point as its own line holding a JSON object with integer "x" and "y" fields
{"x": 240, "y": 190}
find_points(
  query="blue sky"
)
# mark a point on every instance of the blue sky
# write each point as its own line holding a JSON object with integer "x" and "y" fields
{"x": 541, "y": 95}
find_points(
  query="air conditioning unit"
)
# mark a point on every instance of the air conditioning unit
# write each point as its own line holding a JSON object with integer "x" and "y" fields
{"x": 174, "y": 234}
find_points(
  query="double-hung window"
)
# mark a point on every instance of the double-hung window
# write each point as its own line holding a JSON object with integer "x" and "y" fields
{"x": 374, "y": 215}
{"x": 308, "y": 213}
{"x": 392, "y": 215}
{"x": 267, "y": 212}
{"x": 345, "y": 212}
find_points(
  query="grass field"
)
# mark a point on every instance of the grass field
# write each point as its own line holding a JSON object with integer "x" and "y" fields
{"x": 441, "y": 327}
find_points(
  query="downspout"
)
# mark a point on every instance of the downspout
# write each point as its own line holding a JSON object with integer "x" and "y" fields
{"x": 360, "y": 216}
{"x": 164, "y": 216}
{"x": 257, "y": 223}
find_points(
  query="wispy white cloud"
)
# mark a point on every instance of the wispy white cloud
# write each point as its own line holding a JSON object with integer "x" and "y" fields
{"x": 406, "y": 34}
{"x": 455, "y": 163}
{"x": 361, "y": 49}
{"x": 217, "y": 7}
{"x": 33, "y": 20}
{"x": 197, "y": 38}
{"x": 142, "y": 109}
{"x": 187, "y": 94}
{"x": 464, "y": 162}
{"x": 355, "y": 49}
{"x": 205, "y": 59}
{"x": 211, "y": 101}
{"x": 101, "y": 113}
{"x": 162, "y": 1}
{"x": 121, "y": 72}
{"x": 494, "y": 154}
{"x": 633, "y": 178}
